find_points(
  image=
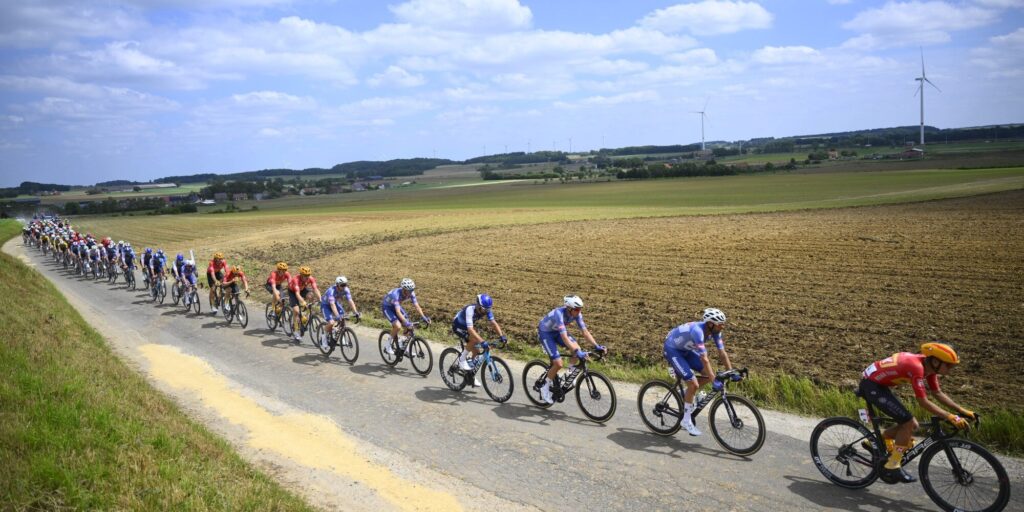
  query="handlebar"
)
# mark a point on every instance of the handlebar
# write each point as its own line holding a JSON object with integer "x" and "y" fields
{"x": 728, "y": 374}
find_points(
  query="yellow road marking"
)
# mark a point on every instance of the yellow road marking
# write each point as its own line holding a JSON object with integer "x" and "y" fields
{"x": 314, "y": 441}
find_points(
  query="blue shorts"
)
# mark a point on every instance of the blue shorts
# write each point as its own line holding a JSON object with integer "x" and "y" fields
{"x": 190, "y": 279}
{"x": 550, "y": 341}
{"x": 391, "y": 315}
{"x": 461, "y": 331}
{"x": 329, "y": 315}
{"x": 684, "y": 362}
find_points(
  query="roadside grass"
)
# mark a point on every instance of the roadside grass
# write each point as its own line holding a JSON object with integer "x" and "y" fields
{"x": 79, "y": 430}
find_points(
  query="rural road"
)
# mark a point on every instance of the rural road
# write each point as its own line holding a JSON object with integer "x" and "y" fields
{"x": 369, "y": 437}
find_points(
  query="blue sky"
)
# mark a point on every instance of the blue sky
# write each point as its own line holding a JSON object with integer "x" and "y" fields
{"x": 139, "y": 89}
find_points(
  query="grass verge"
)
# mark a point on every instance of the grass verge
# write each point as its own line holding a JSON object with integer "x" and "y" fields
{"x": 80, "y": 430}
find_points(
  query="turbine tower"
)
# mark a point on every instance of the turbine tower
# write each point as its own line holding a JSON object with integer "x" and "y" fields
{"x": 702, "y": 117}
{"x": 920, "y": 91}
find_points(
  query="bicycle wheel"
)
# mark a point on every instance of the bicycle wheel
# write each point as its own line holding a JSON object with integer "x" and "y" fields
{"x": 448, "y": 363}
{"x": 229, "y": 313}
{"x": 534, "y": 374}
{"x": 175, "y": 294}
{"x": 740, "y": 429}
{"x": 349, "y": 345}
{"x": 497, "y": 379}
{"x": 287, "y": 327}
{"x": 161, "y": 289}
{"x": 318, "y": 330}
{"x": 196, "y": 303}
{"x": 268, "y": 314}
{"x": 242, "y": 315}
{"x": 596, "y": 396}
{"x": 384, "y": 340}
{"x": 836, "y": 451}
{"x": 962, "y": 475}
{"x": 314, "y": 322}
{"x": 420, "y": 356}
{"x": 661, "y": 408}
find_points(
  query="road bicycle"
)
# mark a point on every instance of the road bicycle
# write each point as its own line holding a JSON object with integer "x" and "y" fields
{"x": 177, "y": 290}
{"x": 495, "y": 374}
{"x": 235, "y": 309}
{"x": 306, "y": 315}
{"x": 407, "y": 345}
{"x": 341, "y": 336}
{"x": 735, "y": 421}
{"x": 956, "y": 473}
{"x": 159, "y": 289}
{"x": 594, "y": 392}
{"x": 129, "y": 277}
{"x": 112, "y": 272}
{"x": 190, "y": 299}
{"x": 275, "y": 314}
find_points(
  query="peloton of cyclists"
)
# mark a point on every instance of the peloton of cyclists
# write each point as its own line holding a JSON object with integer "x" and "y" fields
{"x": 922, "y": 371}
{"x": 553, "y": 333}
{"x": 463, "y": 327}
{"x": 391, "y": 307}
{"x": 331, "y": 308}
{"x": 685, "y": 352}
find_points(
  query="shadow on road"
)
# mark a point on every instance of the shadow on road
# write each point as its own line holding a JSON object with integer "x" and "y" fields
{"x": 445, "y": 396}
{"x": 282, "y": 342}
{"x": 379, "y": 370}
{"x": 642, "y": 440}
{"x": 825, "y": 494}
{"x": 536, "y": 415}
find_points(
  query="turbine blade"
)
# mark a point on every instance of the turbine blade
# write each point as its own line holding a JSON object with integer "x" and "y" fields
{"x": 933, "y": 85}
{"x": 922, "y": 61}
{"x": 705, "y": 104}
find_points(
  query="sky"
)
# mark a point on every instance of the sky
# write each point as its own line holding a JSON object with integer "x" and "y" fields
{"x": 140, "y": 89}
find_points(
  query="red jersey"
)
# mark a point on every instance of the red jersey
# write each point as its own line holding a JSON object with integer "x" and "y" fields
{"x": 901, "y": 368}
{"x": 235, "y": 274}
{"x": 277, "y": 278}
{"x": 298, "y": 283}
{"x": 217, "y": 267}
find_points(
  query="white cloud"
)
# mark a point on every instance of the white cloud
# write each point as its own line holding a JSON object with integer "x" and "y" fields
{"x": 467, "y": 15}
{"x": 786, "y": 55}
{"x": 35, "y": 24}
{"x": 269, "y": 132}
{"x": 913, "y": 23}
{"x": 1004, "y": 58}
{"x": 1013, "y": 39}
{"x": 16, "y": 119}
{"x": 468, "y": 115}
{"x": 840, "y": 2}
{"x": 704, "y": 56}
{"x": 1001, "y": 4}
{"x": 396, "y": 76}
{"x": 273, "y": 99}
{"x": 710, "y": 17}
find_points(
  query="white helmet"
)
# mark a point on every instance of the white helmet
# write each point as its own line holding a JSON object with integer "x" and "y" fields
{"x": 573, "y": 301}
{"x": 341, "y": 281}
{"x": 714, "y": 315}
{"x": 190, "y": 262}
{"x": 408, "y": 284}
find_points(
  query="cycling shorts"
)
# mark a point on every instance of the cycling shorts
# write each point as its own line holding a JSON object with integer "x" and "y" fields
{"x": 233, "y": 287}
{"x": 270, "y": 289}
{"x": 214, "y": 277}
{"x": 329, "y": 315}
{"x": 190, "y": 279}
{"x": 684, "y": 362}
{"x": 293, "y": 299}
{"x": 550, "y": 341}
{"x": 461, "y": 331}
{"x": 391, "y": 315}
{"x": 883, "y": 398}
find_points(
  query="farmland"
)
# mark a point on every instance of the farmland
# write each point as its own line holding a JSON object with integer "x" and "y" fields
{"x": 810, "y": 291}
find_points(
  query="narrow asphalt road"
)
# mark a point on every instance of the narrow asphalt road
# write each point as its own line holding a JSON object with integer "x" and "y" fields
{"x": 510, "y": 455}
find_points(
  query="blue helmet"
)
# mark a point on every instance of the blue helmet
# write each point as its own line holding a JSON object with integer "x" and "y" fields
{"x": 485, "y": 301}
{"x": 149, "y": 250}
{"x": 159, "y": 252}
{"x": 180, "y": 258}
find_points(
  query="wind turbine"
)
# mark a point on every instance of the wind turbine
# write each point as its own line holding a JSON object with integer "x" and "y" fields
{"x": 920, "y": 90}
{"x": 702, "y": 117}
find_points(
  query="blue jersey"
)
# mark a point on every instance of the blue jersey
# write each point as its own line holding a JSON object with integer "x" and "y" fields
{"x": 333, "y": 296}
{"x": 187, "y": 269}
{"x": 394, "y": 298}
{"x": 464, "y": 319}
{"x": 178, "y": 265}
{"x": 156, "y": 263}
{"x": 111, "y": 252}
{"x": 129, "y": 258}
{"x": 690, "y": 336}
{"x": 554, "y": 321}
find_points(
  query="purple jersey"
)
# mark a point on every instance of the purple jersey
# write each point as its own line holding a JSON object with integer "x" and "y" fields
{"x": 394, "y": 298}
{"x": 333, "y": 296}
{"x": 690, "y": 336}
{"x": 554, "y": 321}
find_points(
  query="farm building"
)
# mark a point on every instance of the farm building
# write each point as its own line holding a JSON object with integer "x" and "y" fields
{"x": 912, "y": 153}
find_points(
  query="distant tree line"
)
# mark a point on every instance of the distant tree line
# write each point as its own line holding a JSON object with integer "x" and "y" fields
{"x": 111, "y": 205}
{"x": 680, "y": 170}
{"x": 354, "y": 170}
{"x": 520, "y": 157}
{"x": 32, "y": 188}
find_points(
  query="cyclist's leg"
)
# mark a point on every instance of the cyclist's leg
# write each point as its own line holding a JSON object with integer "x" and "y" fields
{"x": 684, "y": 363}
{"x": 886, "y": 402}
{"x": 550, "y": 341}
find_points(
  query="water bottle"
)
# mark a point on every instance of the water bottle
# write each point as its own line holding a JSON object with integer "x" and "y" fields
{"x": 671, "y": 373}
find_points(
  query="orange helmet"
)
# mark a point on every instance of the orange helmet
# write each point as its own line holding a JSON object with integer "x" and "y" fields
{"x": 305, "y": 271}
{"x": 941, "y": 351}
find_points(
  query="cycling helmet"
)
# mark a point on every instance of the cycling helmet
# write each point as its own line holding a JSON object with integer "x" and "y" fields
{"x": 159, "y": 252}
{"x": 940, "y": 351}
{"x": 120, "y": 242}
{"x": 714, "y": 315}
{"x": 149, "y": 250}
{"x": 305, "y": 271}
{"x": 238, "y": 269}
{"x": 180, "y": 257}
{"x": 341, "y": 281}
{"x": 128, "y": 245}
{"x": 408, "y": 284}
{"x": 483, "y": 300}
{"x": 218, "y": 255}
{"x": 573, "y": 302}
{"x": 282, "y": 266}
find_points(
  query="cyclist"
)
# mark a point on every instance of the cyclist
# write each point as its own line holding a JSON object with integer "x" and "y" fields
{"x": 214, "y": 275}
{"x": 147, "y": 255}
{"x": 299, "y": 288}
{"x": 128, "y": 258}
{"x": 189, "y": 276}
{"x": 552, "y": 332}
{"x": 685, "y": 352}
{"x": 922, "y": 371}
{"x": 157, "y": 266}
{"x": 278, "y": 280}
{"x": 330, "y": 305}
{"x": 230, "y": 283}
{"x": 462, "y": 326}
{"x": 392, "y": 308}
{"x": 110, "y": 254}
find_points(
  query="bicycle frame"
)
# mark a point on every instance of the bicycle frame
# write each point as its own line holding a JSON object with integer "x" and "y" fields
{"x": 936, "y": 435}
